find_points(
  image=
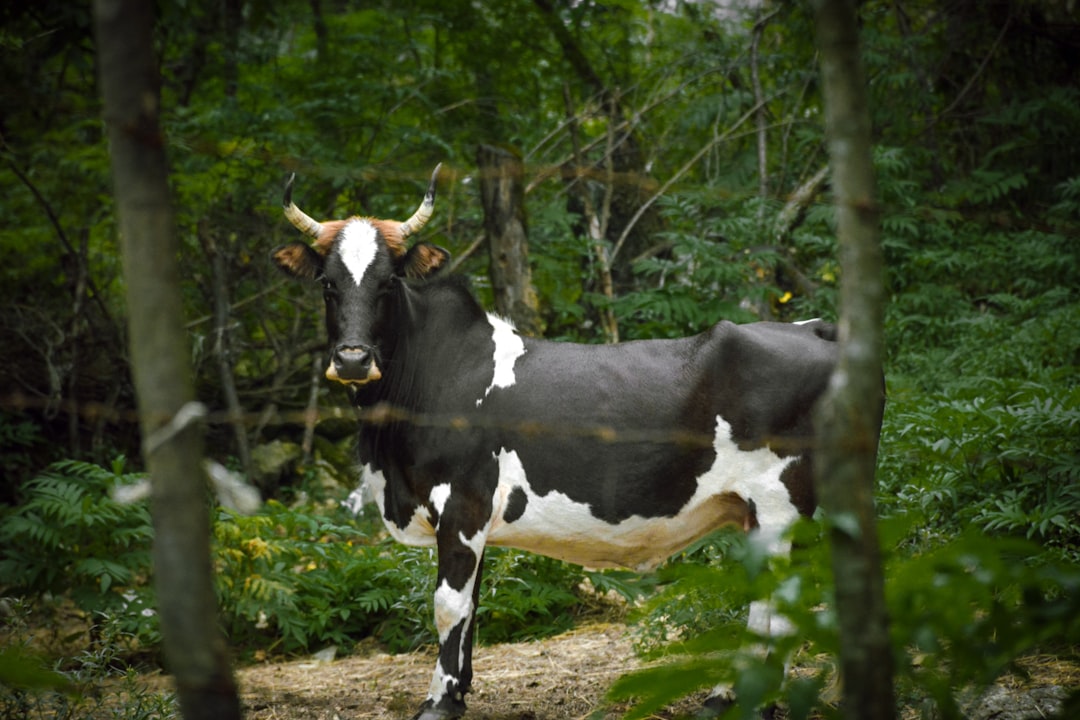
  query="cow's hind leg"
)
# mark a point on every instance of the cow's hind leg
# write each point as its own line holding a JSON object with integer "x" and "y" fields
{"x": 763, "y": 620}
{"x": 456, "y": 596}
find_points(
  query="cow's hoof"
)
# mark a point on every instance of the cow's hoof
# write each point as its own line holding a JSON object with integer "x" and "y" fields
{"x": 716, "y": 705}
{"x": 446, "y": 709}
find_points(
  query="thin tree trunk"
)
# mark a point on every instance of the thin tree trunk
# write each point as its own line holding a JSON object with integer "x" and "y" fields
{"x": 233, "y": 18}
{"x": 502, "y": 193}
{"x": 634, "y": 220}
{"x": 597, "y": 224}
{"x": 311, "y": 414}
{"x": 318, "y": 22}
{"x": 223, "y": 346}
{"x": 791, "y": 216}
{"x": 849, "y": 418}
{"x": 195, "y": 651}
{"x": 760, "y": 119}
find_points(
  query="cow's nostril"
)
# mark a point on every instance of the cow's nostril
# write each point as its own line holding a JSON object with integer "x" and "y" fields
{"x": 352, "y": 355}
{"x": 352, "y": 362}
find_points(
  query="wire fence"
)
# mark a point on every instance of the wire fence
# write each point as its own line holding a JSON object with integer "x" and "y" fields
{"x": 384, "y": 414}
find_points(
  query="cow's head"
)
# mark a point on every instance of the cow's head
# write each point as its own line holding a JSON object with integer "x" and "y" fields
{"x": 356, "y": 260}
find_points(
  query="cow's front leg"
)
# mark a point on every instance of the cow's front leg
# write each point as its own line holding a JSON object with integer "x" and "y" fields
{"x": 456, "y": 596}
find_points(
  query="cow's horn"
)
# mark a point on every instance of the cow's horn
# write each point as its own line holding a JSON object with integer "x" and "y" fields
{"x": 303, "y": 222}
{"x": 423, "y": 213}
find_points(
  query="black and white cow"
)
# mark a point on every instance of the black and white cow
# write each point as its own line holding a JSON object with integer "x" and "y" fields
{"x": 588, "y": 453}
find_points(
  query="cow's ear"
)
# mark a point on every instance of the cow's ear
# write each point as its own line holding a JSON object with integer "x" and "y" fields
{"x": 424, "y": 260}
{"x": 298, "y": 260}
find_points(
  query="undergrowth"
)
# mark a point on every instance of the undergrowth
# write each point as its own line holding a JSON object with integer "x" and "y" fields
{"x": 97, "y": 682}
{"x": 290, "y": 580}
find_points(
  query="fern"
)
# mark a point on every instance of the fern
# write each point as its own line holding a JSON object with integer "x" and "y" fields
{"x": 71, "y": 539}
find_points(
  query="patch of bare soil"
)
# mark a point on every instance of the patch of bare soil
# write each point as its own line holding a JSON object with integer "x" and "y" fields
{"x": 558, "y": 678}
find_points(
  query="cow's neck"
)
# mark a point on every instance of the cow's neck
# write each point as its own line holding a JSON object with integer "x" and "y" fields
{"x": 438, "y": 333}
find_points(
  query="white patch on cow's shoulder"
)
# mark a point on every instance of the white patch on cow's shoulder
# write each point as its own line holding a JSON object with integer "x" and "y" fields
{"x": 556, "y": 525}
{"x": 508, "y": 348}
{"x": 357, "y": 247}
{"x": 419, "y": 531}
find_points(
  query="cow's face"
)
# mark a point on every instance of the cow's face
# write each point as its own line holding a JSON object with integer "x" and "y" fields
{"x": 356, "y": 261}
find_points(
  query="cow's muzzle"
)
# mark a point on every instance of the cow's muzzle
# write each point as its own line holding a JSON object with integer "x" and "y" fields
{"x": 353, "y": 366}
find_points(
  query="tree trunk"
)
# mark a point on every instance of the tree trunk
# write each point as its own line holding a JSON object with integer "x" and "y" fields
{"x": 223, "y": 344}
{"x": 580, "y": 196}
{"x": 849, "y": 419}
{"x": 760, "y": 118}
{"x": 232, "y": 21}
{"x": 633, "y": 221}
{"x": 503, "y": 196}
{"x": 172, "y": 446}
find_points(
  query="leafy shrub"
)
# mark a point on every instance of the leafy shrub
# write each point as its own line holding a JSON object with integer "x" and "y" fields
{"x": 292, "y": 581}
{"x": 961, "y": 613}
{"x": 981, "y": 432}
{"x": 20, "y": 440}
{"x": 70, "y": 538}
{"x": 30, "y": 690}
{"x": 288, "y": 579}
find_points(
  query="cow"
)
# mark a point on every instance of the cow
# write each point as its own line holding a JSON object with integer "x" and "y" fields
{"x": 614, "y": 455}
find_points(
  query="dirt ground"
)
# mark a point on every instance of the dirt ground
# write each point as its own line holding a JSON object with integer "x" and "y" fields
{"x": 557, "y": 678}
{"x": 564, "y": 677}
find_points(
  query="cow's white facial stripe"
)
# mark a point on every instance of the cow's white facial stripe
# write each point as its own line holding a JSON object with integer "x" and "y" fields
{"x": 357, "y": 247}
{"x": 508, "y": 348}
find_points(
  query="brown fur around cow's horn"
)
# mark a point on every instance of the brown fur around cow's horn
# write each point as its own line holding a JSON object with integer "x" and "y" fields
{"x": 303, "y": 222}
{"x": 423, "y": 213}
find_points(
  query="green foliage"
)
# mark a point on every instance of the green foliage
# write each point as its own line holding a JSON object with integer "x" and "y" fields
{"x": 293, "y": 581}
{"x": 960, "y": 614}
{"x": 289, "y": 579}
{"x": 1004, "y": 461}
{"x": 96, "y": 683}
{"x": 70, "y": 538}
{"x": 963, "y": 613}
{"x": 21, "y": 443}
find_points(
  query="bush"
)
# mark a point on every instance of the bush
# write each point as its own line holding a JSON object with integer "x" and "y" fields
{"x": 28, "y": 689}
{"x": 289, "y": 580}
{"x": 293, "y": 581}
{"x": 71, "y": 539}
{"x": 961, "y": 614}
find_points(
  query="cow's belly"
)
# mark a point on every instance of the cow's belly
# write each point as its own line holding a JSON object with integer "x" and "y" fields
{"x": 555, "y": 525}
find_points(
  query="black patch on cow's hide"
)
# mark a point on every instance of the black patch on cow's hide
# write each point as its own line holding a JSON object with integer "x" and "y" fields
{"x": 515, "y": 505}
